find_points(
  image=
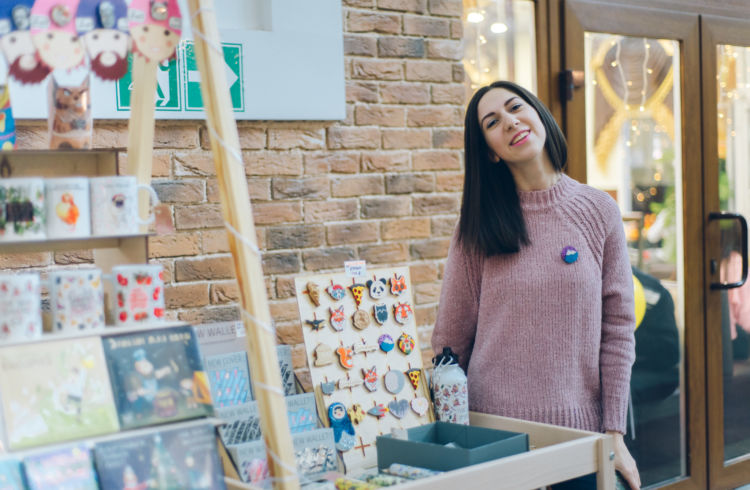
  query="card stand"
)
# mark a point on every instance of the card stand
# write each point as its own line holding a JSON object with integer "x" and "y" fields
{"x": 95, "y": 332}
{"x": 562, "y": 453}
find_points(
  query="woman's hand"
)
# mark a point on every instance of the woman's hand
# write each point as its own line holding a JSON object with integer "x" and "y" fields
{"x": 624, "y": 462}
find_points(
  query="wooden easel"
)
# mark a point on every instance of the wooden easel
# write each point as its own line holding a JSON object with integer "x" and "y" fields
{"x": 237, "y": 214}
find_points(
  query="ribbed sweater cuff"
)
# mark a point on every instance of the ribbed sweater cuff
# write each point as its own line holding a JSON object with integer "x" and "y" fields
{"x": 614, "y": 414}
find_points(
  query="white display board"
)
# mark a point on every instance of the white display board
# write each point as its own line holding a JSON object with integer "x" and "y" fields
{"x": 284, "y": 61}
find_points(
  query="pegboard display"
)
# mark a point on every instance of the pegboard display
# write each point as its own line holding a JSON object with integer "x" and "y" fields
{"x": 365, "y": 363}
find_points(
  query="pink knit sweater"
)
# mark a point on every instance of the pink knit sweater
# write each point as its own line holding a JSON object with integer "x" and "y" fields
{"x": 545, "y": 340}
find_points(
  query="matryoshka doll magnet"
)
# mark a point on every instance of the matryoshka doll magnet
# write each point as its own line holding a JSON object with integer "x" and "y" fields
{"x": 16, "y": 44}
{"x": 103, "y": 26}
{"x": 53, "y": 31}
{"x": 155, "y": 26}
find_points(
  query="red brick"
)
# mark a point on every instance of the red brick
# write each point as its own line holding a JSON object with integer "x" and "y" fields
{"x": 426, "y": 315}
{"x": 285, "y": 287}
{"x": 377, "y": 70}
{"x": 194, "y": 163}
{"x": 180, "y": 191}
{"x": 324, "y": 211}
{"x": 259, "y": 189}
{"x": 386, "y": 253}
{"x": 338, "y": 162}
{"x": 170, "y": 134}
{"x": 290, "y": 334}
{"x": 361, "y": 92}
{"x": 403, "y": 5}
{"x": 284, "y": 311}
{"x": 397, "y": 139}
{"x": 444, "y": 49}
{"x": 443, "y": 226}
{"x": 424, "y": 272}
{"x": 436, "y": 160}
{"x": 303, "y": 375}
{"x": 268, "y": 213}
{"x": 405, "y": 228}
{"x": 400, "y": 47}
{"x": 449, "y": 139}
{"x": 203, "y": 269}
{"x": 210, "y": 315}
{"x": 199, "y": 216}
{"x": 104, "y": 136}
{"x": 295, "y": 237}
{"x": 449, "y": 94}
{"x": 348, "y": 138}
{"x": 384, "y": 207}
{"x": 215, "y": 241}
{"x": 360, "y": 3}
{"x": 287, "y": 139}
{"x": 436, "y": 248}
{"x": 459, "y": 73}
{"x": 71, "y": 257}
{"x": 224, "y": 292}
{"x": 272, "y": 163}
{"x": 186, "y": 296}
{"x": 419, "y": 25}
{"x": 427, "y": 293}
{"x": 161, "y": 163}
{"x": 327, "y": 258}
{"x": 429, "y": 71}
{"x": 435, "y": 204}
{"x": 174, "y": 245}
{"x": 358, "y": 21}
{"x": 404, "y": 93}
{"x": 386, "y": 161}
{"x": 250, "y": 137}
{"x": 280, "y": 263}
{"x": 451, "y": 8}
{"x": 431, "y": 116}
{"x": 356, "y": 232}
{"x": 357, "y": 185}
{"x": 360, "y": 45}
{"x": 409, "y": 183}
{"x": 457, "y": 29}
{"x": 449, "y": 181}
{"x": 379, "y": 115}
{"x": 299, "y": 356}
{"x": 305, "y": 188}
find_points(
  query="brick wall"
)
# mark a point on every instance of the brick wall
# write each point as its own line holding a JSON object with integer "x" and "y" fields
{"x": 383, "y": 185}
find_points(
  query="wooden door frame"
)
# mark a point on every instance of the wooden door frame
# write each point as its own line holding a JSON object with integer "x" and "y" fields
{"x": 716, "y": 31}
{"x": 580, "y": 16}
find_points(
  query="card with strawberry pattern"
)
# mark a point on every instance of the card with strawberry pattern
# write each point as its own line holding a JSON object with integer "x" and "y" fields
{"x": 363, "y": 356}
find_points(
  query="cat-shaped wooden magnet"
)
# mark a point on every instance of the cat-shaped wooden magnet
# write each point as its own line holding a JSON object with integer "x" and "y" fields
{"x": 103, "y": 26}
{"x": 70, "y": 121}
{"x": 155, "y": 26}
{"x": 53, "y": 31}
{"x": 16, "y": 44}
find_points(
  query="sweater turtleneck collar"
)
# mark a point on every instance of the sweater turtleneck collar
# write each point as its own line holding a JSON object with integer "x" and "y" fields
{"x": 541, "y": 199}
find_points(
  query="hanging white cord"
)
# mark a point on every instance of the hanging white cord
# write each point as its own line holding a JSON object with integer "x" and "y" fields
{"x": 237, "y": 160}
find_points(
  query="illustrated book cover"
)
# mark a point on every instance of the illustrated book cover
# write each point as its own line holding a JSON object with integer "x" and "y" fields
{"x": 55, "y": 391}
{"x": 69, "y": 468}
{"x": 157, "y": 376}
{"x": 11, "y": 475}
{"x": 314, "y": 453}
{"x": 229, "y": 379}
{"x": 217, "y": 339}
{"x": 242, "y": 422}
{"x": 172, "y": 459}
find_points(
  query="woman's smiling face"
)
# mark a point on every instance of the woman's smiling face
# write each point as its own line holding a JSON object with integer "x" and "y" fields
{"x": 511, "y": 127}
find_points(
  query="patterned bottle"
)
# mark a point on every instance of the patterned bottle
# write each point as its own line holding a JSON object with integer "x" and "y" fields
{"x": 449, "y": 389}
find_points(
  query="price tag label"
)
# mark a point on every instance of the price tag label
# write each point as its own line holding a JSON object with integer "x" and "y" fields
{"x": 355, "y": 268}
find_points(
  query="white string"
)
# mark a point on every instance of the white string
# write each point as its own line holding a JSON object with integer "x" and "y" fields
{"x": 254, "y": 248}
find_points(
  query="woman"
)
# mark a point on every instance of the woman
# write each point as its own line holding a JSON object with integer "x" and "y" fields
{"x": 537, "y": 295}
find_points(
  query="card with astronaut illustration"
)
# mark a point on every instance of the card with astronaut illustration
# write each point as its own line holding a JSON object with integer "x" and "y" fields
{"x": 55, "y": 391}
{"x": 157, "y": 376}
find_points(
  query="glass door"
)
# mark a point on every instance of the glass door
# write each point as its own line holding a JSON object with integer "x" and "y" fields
{"x": 627, "y": 134}
{"x": 726, "y": 140}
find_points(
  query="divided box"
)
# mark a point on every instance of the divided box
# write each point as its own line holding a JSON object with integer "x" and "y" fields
{"x": 442, "y": 446}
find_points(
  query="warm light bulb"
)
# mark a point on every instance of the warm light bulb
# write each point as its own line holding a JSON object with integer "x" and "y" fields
{"x": 498, "y": 27}
{"x": 475, "y": 17}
